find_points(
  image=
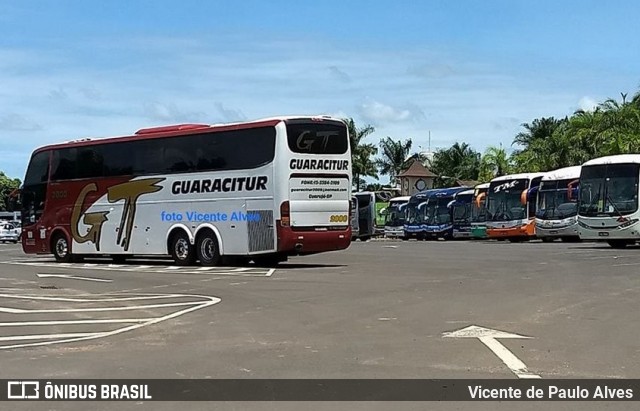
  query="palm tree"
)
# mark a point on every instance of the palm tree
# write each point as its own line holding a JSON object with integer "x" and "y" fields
{"x": 495, "y": 162}
{"x": 459, "y": 161}
{"x": 393, "y": 157}
{"x": 361, "y": 153}
{"x": 540, "y": 128}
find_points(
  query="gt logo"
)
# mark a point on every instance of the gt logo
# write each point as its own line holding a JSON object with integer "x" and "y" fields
{"x": 338, "y": 218}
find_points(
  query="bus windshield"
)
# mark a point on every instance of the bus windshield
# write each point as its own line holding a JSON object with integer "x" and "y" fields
{"x": 609, "y": 189}
{"x": 415, "y": 212}
{"x": 554, "y": 202}
{"x": 437, "y": 211}
{"x": 395, "y": 215}
{"x": 503, "y": 202}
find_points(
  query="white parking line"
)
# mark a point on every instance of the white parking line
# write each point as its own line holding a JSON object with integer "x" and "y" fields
{"x": 198, "y": 302}
{"x": 73, "y": 322}
{"x": 74, "y": 277}
{"x": 241, "y": 271}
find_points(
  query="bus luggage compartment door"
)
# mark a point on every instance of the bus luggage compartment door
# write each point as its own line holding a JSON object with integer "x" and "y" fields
{"x": 260, "y": 226}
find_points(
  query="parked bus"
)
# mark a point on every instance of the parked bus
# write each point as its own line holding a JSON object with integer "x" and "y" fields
{"x": 395, "y": 217}
{"x": 479, "y": 211}
{"x": 461, "y": 214}
{"x": 415, "y": 216}
{"x": 366, "y": 215}
{"x": 437, "y": 222}
{"x": 557, "y": 209}
{"x": 261, "y": 190}
{"x": 511, "y": 206}
{"x": 608, "y": 207}
{"x": 355, "y": 225}
{"x": 428, "y": 214}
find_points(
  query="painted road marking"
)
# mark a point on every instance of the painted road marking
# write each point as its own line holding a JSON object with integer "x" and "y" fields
{"x": 75, "y": 277}
{"x": 489, "y": 338}
{"x": 117, "y": 304}
{"x": 237, "y": 271}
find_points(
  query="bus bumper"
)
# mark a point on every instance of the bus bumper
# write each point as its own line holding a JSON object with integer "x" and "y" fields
{"x": 558, "y": 232}
{"x": 293, "y": 242}
{"x": 527, "y": 230}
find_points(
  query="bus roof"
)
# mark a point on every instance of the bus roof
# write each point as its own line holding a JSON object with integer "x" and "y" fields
{"x": 183, "y": 129}
{"x": 518, "y": 176}
{"x": 481, "y": 186}
{"x": 563, "y": 173}
{"x": 437, "y": 192}
{"x": 466, "y": 192}
{"x": 402, "y": 198}
{"x": 618, "y": 159}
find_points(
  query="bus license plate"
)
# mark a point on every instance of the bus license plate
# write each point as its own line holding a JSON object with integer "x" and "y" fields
{"x": 603, "y": 234}
{"x": 553, "y": 232}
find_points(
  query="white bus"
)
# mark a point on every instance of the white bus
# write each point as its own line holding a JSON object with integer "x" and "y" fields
{"x": 557, "y": 209}
{"x": 608, "y": 207}
{"x": 511, "y": 206}
{"x": 259, "y": 190}
{"x": 394, "y": 216}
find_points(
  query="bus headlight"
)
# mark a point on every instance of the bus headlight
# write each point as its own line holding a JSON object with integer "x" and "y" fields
{"x": 627, "y": 223}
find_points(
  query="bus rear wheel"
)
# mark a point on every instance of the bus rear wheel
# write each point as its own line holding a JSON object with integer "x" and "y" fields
{"x": 207, "y": 248}
{"x": 181, "y": 250}
{"x": 60, "y": 248}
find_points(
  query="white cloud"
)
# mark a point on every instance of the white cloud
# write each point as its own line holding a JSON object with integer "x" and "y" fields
{"x": 376, "y": 112}
{"x": 587, "y": 103}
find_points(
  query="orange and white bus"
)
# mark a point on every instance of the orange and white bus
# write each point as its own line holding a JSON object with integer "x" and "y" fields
{"x": 511, "y": 206}
{"x": 260, "y": 190}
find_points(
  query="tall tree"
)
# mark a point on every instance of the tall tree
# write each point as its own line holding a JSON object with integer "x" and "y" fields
{"x": 362, "y": 153}
{"x": 494, "y": 163}
{"x": 394, "y": 157}
{"x": 459, "y": 162}
{"x": 7, "y": 185}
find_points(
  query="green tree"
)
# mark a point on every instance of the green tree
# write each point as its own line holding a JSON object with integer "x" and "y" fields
{"x": 362, "y": 154}
{"x": 459, "y": 162}
{"x": 7, "y": 185}
{"x": 495, "y": 162}
{"x": 394, "y": 157}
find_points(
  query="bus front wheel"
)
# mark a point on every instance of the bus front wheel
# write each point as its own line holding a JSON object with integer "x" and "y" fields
{"x": 619, "y": 243}
{"x": 181, "y": 249}
{"x": 207, "y": 248}
{"x": 60, "y": 248}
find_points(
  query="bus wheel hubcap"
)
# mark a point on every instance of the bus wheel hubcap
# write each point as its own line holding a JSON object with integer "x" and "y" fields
{"x": 61, "y": 247}
{"x": 207, "y": 249}
{"x": 182, "y": 249}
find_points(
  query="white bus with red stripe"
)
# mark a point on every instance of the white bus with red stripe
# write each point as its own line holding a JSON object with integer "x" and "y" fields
{"x": 260, "y": 190}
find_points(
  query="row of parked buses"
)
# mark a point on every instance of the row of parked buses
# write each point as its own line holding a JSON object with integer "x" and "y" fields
{"x": 595, "y": 201}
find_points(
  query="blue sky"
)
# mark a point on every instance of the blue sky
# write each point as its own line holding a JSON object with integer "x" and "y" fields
{"x": 468, "y": 71}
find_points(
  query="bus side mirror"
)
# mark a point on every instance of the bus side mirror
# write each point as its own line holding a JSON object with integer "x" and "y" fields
{"x": 523, "y": 197}
{"x": 384, "y": 211}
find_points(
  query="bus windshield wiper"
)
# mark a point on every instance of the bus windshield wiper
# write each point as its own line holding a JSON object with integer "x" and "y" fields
{"x": 615, "y": 208}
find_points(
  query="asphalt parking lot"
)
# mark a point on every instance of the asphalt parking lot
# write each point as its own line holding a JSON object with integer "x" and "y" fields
{"x": 381, "y": 309}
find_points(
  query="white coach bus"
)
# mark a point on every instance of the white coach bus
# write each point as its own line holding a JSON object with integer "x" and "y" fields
{"x": 557, "y": 210}
{"x": 259, "y": 190}
{"x": 609, "y": 200}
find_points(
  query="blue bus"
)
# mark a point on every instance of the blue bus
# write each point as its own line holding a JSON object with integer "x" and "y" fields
{"x": 428, "y": 214}
{"x": 461, "y": 209}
